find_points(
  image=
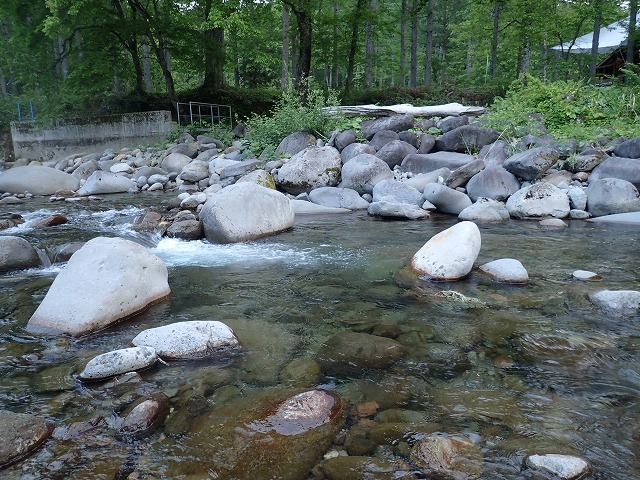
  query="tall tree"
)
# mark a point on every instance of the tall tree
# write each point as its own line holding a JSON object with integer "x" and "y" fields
{"x": 302, "y": 11}
{"x": 631, "y": 37}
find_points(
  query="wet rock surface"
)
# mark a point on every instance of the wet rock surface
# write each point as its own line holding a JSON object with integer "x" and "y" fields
{"x": 20, "y": 434}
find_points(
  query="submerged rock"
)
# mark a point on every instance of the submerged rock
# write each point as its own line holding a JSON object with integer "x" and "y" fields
{"x": 271, "y": 435}
{"x": 352, "y": 352}
{"x": 145, "y": 417}
{"x": 450, "y": 254}
{"x": 507, "y": 270}
{"x": 448, "y": 457}
{"x": 566, "y": 467}
{"x": 116, "y": 362}
{"x": 20, "y": 434}
{"x": 617, "y": 302}
{"x": 361, "y": 468}
{"x": 188, "y": 340}
{"x": 107, "y": 280}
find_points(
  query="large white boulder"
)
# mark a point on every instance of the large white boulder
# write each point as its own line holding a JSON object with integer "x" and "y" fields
{"x": 311, "y": 168}
{"x": 245, "y": 211}
{"x": 188, "y": 340}
{"x": 117, "y": 362}
{"x": 37, "y": 180}
{"x": 107, "y": 280}
{"x": 539, "y": 200}
{"x": 100, "y": 183}
{"x": 449, "y": 255}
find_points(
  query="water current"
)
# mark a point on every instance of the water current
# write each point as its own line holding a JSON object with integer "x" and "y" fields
{"x": 519, "y": 369}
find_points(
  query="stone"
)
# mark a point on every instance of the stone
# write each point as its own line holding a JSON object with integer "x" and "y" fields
{"x": 195, "y": 171}
{"x": 105, "y": 281}
{"x": 350, "y": 352}
{"x": 586, "y": 275}
{"x": 100, "y": 183}
{"x": 311, "y": 168}
{"x": 238, "y": 169}
{"x": 245, "y": 211}
{"x": 303, "y": 207}
{"x": 187, "y": 149}
{"x": 261, "y": 177}
{"x": 583, "y": 163}
{"x": 577, "y": 198}
{"x": 186, "y": 230}
{"x": 355, "y": 149}
{"x": 363, "y": 172}
{"x": 229, "y": 442}
{"x": 189, "y": 340}
{"x": 121, "y": 168}
{"x": 144, "y": 417}
{"x": 506, "y": 270}
{"x": 552, "y": 223}
{"x": 396, "y": 123}
{"x": 628, "y": 149}
{"x": 428, "y": 162}
{"x": 409, "y": 137}
{"x": 531, "y": 164}
{"x": 421, "y": 180}
{"x": 397, "y": 210}
{"x": 395, "y": 151}
{"x": 446, "y": 200}
{"x": 295, "y": 143}
{"x": 344, "y": 139}
{"x": 20, "y": 435}
{"x": 175, "y": 162}
{"x": 617, "y": 302}
{"x": 466, "y": 138}
{"x": 538, "y": 200}
{"x": 461, "y": 175}
{"x": 576, "y": 214}
{"x": 560, "y": 179}
{"x": 36, "y": 180}
{"x": 355, "y": 467}
{"x": 565, "y": 467}
{"x": 427, "y": 142}
{"x": 450, "y": 254}
{"x": 393, "y": 191}
{"x": 450, "y": 457}
{"x": 381, "y": 138}
{"x": 631, "y": 218}
{"x": 494, "y": 154}
{"x": 117, "y": 362}
{"x": 338, "y": 198}
{"x": 452, "y": 122}
{"x": 16, "y": 253}
{"x": 608, "y": 196}
{"x": 485, "y": 210}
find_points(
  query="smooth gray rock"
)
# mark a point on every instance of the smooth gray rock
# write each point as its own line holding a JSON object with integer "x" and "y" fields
{"x": 397, "y": 123}
{"x": 195, "y": 171}
{"x": 338, "y": 198}
{"x": 381, "y": 138}
{"x": 531, "y": 164}
{"x": 261, "y": 177}
{"x": 506, "y": 270}
{"x": 16, "y": 253}
{"x": 410, "y": 138}
{"x": 21, "y": 434}
{"x": 311, "y": 168}
{"x": 396, "y": 210}
{"x": 494, "y": 153}
{"x": 485, "y": 210}
{"x": 632, "y": 218}
{"x": 185, "y": 230}
{"x": 355, "y": 149}
{"x": 363, "y": 172}
{"x": 446, "y": 200}
{"x": 493, "y": 182}
{"x": 617, "y": 167}
{"x": 175, "y": 162}
{"x": 577, "y": 198}
{"x": 564, "y": 467}
{"x": 344, "y": 139}
{"x": 452, "y": 122}
{"x": 295, "y": 143}
{"x": 461, "y": 175}
{"x": 36, "y": 180}
{"x": 552, "y": 223}
{"x": 576, "y": 214}
{"x": 240, "y": 168}
{"x": 303, "y": 207}
{"x": 102, "y": 183}
{"x": 428, "y": 162}
{"x": 466, "y": 139}
{"x": 617, "y": 302}
{"x": 148, "y": 171}
{"x": 107, "y": 280}
{"x": 538, "y": 200}
{"x": 85, "y": 169}
{"x": 427, "y": 142}
{"x": 144, "y": 417}
{"x": 395, "y": 151}
{"x": 187, "y": 149}
{"x": 188, "y": 340}
{"x": 421, "y": 180}
{"x": 393, "y": 191}
{"x": 586, "y": 275}
{"x": 450, "y": 254}
{"x": 245, "y": 211}
{"x": 117, "y": 362}
{"x": 612, "y": 195}
{"x": 628, "y": 149}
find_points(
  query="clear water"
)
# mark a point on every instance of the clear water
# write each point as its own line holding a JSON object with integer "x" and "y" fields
{"x": 527, "y": 369}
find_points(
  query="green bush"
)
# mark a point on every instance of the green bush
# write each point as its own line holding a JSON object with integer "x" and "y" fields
{"x": 292, "y": 113}
{"x": 567, "y": 109}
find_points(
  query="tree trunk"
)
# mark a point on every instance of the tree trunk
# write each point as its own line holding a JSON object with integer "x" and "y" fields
{"x": 284, "y": 71}
{"x": 3, "y": 84}
{"x": 334, "y": 48}
{"x": 353, "y": 46}
{"x": 631, "y": 37}
{"x": 370, "y": 48}
{"x": 214, "y": 58}
{"x": 428, "y": 46}
{"x": 494, "y": 38}
{"x": 146, "y": 64}
{"x": 305, "y": 31}
{"x": 595, "y": 42}
{"x": 413, "y": 68}
{"x": 403, "y": 43}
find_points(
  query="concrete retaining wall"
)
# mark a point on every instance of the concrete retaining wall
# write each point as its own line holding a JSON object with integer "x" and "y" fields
{"x": 89, "y": 135}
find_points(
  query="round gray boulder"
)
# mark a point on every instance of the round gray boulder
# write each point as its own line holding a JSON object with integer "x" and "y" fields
{"x": 396, "y": 192}
{"x": 36, "y": 180}
{"x": 612, "y": 195}
{"x": 539, "y": 200}
{"x": 485, "y": 210}
{"x": 175, "y": 162}
{"x": 531, "y": 164}
{"x": 195, "y": 171}
{"x": 355, "y": 149}
{"x": 395, "y": 151}
{"x": 100, "y": 183}
{"x": 363, "y": 172}
{"x": 17, "y": 253}
{"x": 107, "y": 280}
{"x": 245, "y": 211}
{"x": 295, "y": 143}
{"x": 446, "y": 200}
{"x": 493, "y": 182}
{"x": 507, "y": 270}
{"x": 338, "y": 198}
{"x": 309, "y": 169}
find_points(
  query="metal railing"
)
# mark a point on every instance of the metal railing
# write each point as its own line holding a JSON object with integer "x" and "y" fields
{"x": 205, "y": 114}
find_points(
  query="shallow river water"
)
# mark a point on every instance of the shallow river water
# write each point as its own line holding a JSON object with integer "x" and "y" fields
{"x": 519, "y": 369}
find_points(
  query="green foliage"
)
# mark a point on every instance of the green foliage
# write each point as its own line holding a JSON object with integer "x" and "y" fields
{"x": 567, "y": 109}
{"x": 293, "y": 113}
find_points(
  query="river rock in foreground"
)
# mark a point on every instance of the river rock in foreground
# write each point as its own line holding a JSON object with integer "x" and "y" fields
{"x": 245, "y": 211}
{"x": 116, "y": 362}
{"x": 566, "y": 467}
{"x": 20, "y": 434}
{"x": 448, "y": 456}
{"x": 272, "y": 435}
{"x": 617, "y": 302}
{"x": 107, "y": 280}
{"x": 449, "y": 255}
{"x": 17, "y": 253}
{"x": 188, "y": 340}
